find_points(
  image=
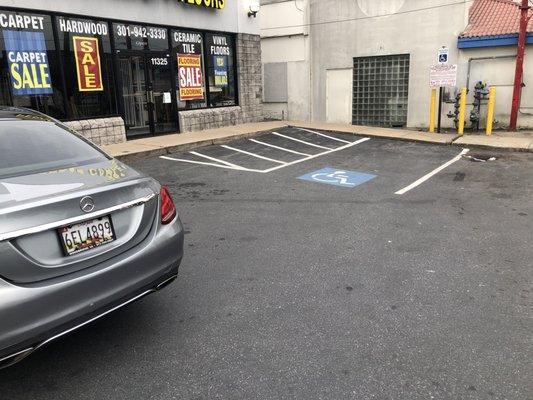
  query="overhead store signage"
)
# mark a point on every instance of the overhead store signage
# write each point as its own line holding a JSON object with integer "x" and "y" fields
{"x": 21, "y": 21}
{"x": 140, "y": 37}
{"x": 84, "y": 27}
{"x": 190, "y": 75}
{"x": 88, "y": 64}
{"x": 443, "y": 75}
{"x": 28, "y": 60}
{"x": 217, "y": 4}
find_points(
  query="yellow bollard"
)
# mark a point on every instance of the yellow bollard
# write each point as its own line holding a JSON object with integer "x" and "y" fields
{"x": 462, "y": 107}
{"x": 490, "y": 110}
{"x": 432, "y": 110}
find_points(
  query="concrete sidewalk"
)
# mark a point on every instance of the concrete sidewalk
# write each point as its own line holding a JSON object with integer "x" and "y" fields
{"x": 160, "y": 145}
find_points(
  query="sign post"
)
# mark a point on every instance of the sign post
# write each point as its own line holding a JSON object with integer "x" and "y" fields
{"x": 442, "y": 75}
{"x": 442, "y": 60}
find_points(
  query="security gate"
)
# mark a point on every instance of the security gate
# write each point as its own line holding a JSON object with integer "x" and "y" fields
{"x": 380, "y": 90}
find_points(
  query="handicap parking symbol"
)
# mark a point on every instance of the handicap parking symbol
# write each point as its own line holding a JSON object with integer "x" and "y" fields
{"x": 338, "y": 177}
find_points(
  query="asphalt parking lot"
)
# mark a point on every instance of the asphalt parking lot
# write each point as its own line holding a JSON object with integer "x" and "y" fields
{"x": 322, "y": 266}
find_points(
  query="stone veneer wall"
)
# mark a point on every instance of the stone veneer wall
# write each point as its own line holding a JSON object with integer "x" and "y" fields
{"x": 250, "y": 88}
{"x": 249, "y": 77}
{"x": 197, "y": 120}
{"x": 100, "y": 131}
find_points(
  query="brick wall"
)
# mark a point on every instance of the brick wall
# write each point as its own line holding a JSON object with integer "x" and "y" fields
{"x": 100, "y": 131}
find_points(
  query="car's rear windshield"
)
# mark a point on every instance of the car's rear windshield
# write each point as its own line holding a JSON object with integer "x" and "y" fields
{"x": 28, "y": 147}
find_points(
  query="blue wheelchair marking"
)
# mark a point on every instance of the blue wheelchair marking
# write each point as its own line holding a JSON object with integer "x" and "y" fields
{"x": 338, "y": 177}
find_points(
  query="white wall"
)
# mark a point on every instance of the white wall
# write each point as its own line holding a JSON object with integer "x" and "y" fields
{"x": 291, "y": 46}
{"x": 339, "y": 83}
{"x": 370, "y": 30}
{"x": 233, "y": 18}
{"x": 500, "y": 73}
{"x": 419, "y": 34}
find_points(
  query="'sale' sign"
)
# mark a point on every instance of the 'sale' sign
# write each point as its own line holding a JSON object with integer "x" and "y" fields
{"x": 88, "y": 64}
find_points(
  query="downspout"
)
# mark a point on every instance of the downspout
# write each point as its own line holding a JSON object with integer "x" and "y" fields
{"x": 519, "y": 65}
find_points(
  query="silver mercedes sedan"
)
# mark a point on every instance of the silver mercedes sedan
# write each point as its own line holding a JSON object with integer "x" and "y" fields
{"x": 81, "y": 234}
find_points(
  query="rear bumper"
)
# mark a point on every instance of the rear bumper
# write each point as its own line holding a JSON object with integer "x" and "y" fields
{"x": 33, "y": 315}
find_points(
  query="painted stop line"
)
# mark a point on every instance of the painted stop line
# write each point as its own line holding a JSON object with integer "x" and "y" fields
{"x": 338, "y": 177}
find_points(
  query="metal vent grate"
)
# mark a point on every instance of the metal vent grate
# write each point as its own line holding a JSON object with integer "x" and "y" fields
{"x": 380, "y": 90}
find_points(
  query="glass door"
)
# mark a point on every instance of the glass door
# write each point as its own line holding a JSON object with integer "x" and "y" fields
{"x": 146, "y": 86}
{"x": 133, "y": 74}
{"x": 160, "y": 92}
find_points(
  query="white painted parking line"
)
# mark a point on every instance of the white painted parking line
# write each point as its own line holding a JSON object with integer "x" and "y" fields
{"x": 435, "y": 171}
{"x": 253, "y": 154}
{"x": 324, "y": 135}
{"x": 301, "y": 141}
{"x": 198, "y": 162}
{"x": 279, "y": 148}
{"x": 266, "y": 171}
{"x": 225, "y": 164}
{"x": 234, "y": 166}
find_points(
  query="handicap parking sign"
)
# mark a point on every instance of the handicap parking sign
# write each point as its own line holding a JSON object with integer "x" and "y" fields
{"x": 338, "y": 177}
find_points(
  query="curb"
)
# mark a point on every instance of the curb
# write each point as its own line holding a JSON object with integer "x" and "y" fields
{"x": 223, "y": 140}
{"x": 451, "y": 142}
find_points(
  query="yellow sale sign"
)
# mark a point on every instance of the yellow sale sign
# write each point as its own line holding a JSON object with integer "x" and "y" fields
{"x": 88, "y": 64}
{"x": 191, "y": 82}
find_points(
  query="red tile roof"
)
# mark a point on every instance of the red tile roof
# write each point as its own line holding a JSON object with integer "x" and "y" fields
{"x": 494, "y": 18}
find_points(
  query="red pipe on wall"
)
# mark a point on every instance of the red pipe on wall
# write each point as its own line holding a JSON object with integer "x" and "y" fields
{"x": 517, "y": 91}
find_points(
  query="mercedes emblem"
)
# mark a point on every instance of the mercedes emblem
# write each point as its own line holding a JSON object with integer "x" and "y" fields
{"x": 87, "y": 204}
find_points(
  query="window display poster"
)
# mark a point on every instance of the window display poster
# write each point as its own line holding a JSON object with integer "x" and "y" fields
{"x": 28, "y": 63}
{"x": 88, "y": 65}
{"x": 191, "y": 83}
{"x": 221, "y": 70}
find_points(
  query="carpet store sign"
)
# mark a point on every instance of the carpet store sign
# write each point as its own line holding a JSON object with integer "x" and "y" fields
{"x": 28, "y": 62}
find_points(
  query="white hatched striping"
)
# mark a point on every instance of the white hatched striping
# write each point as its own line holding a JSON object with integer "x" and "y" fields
{"x": 316, "y": 155}
{"x": 235, "y": 166}
{"x": 253, "y": 154}
{"x": 198, "y": 162}
{"x": 301, "y": 141}
{"x": 324, "y": 135}
{"x": 279, "y": 148}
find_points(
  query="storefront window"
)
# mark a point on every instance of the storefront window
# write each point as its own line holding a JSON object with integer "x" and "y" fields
{"x": 140, "y": 37}
{"x": 30, "y": 75}
{"x": 190, "y": 80}
{"x": 87, "y": 59}
{"x": 221, "y": 70}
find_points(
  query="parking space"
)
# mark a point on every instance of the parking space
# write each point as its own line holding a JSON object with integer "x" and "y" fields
{"x": 270, "y": 151}
{"x": 289, "y": 146}
{"x": 307, "y": 275}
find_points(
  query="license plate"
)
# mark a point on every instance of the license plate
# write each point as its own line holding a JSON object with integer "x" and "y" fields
{"x": 86, "y": 235}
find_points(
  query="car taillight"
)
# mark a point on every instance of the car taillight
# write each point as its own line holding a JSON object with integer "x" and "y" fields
{"x": 168, "y": 209}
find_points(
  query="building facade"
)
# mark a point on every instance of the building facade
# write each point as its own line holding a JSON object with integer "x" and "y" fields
{"x": 123, "y": 69}
{"x": 367, "y": 62}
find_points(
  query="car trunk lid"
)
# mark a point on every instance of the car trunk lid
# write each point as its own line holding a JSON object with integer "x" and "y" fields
{"x": 33, "y": 208}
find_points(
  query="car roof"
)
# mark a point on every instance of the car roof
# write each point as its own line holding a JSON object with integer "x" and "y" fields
{"x": 23, "y": 114}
